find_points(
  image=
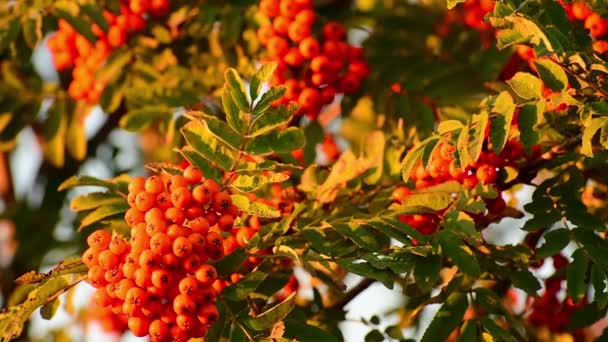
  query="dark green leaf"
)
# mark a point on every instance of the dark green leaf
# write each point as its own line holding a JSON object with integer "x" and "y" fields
{"x": 237, "y": 90}
{"x": 553, "y": 76}
{"x": 503, "y": 108}
{"x": 598, "y": 279}
{"x": 95, "y": 13}
{"x": 528, "y": 117}
{"x": 230, "y": 263}
{"x": 244, "y": 287}
{"x": 461, "y": 254}
{"x": 468, "y": 332}
{"x": 277, "y": 141}
{"x": 273, "y": 315}
{"x": 365, "y": 269}
{"x": 267, "y": 98}
{"x": 447, "y": 318}
{"x": 525, "y": 280}
{"x": 271, "y": 119}
{"x": 233, "y": 114}
{"x": 374, "y": 336}
{"x": 576, "y": 273}
{"x": 48, "y": 310}
{"x": 426, "y": 271}
{"x": 555, "y": 241}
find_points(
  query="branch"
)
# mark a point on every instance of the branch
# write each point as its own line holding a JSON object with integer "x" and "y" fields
{"x": 529, "y": 172}
{"x": 351, "y": 294}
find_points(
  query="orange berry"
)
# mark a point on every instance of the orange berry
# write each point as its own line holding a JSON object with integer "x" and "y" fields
{"x": 99, "y": 239}
{"x": 154, "y": 185}
{"x": 206, "y": 275}
{"x": 139, "y": 326}
{"x": 180, "y": 197}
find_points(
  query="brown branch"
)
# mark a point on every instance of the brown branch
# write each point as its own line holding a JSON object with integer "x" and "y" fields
{"x": 528, "y": 173}
{"x": 352, "y": 294}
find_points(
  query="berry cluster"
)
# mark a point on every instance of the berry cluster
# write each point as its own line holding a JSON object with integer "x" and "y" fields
{"x": 313, "y": 70}
{"x": 71, "y": 49}
{"x": 159, "y": 278}
{"x": 549, "y": 310}
{"x": 108, "y": 320}
{"x": 443, "y": 167}
{"x": 471, "y": 15}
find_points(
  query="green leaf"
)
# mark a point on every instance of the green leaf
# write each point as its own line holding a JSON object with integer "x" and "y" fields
{"x": 477, "y": 135}
{"x": 277, "y": 141}
{"x": 598, "y": 279}
{"x": 528, "y": 117}
{"x": 588, "y": 134}
{"x": 47, "y": 311}
{"x": 468, "y": 331}
{"x": 461, "y": 254}
{"x": 247, "y": 183}
{"x": 466, "y": 201}
{"x": 68, "y": 266}
{"x": 555, "y": 241}
{"x": 254, "y": 208}
{"x": 576, "y": 273}
{"x": 498, "y": 333}
{"x": 526, "y": 85}
{"x": 271, "y": 119}
{"x": 234, "y": 116}
{"x": 13, "y": 320}
{"x": 307, "y": 333}
{"x": 237, "y": 90}
{"x": 196, "y": 159}
{"x": 95, "y": 13}
{"x": 447, "y": 318}
{"x": 462, "y": 225}
{"x": 503, "y": 108}
{"x": 362, "y": 235}
{"x": 220, "y": 129}
{"x": 373, "y": 150}
{"x": 267, "y": 98}
{"x": 244, "y": 287}
{"x": 365, "y": 269}
{"x": 263, "y": 74}
{"x": 138, "y": 119}
{"x": 273, "y": 315}
{"x": 55, "y": 133}
{"x": 446, "y": 126}
{"x": 525, "y": 280}
{"x": 103, "y": 212}
{"x": 431, "y": 201}
{"x": 115, "y": 65}
{"x": 374, "y": 336}
{"x": 31, "y": 25}
{"x": 395, "y": 229}
{"x": 75, "y": 181}
{"x": 201, "y": 139}
{"x": 553, "y": 76}
{"x": 231, "y": 263}
{"x": 94, "y": 200}
{"x": 426, "y": 271}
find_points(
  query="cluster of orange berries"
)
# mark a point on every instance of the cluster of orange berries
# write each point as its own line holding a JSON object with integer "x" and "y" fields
{"x": 443, "y": 167}
{"x": 471, "y": 14}
{"x": 160, "y": 278}
{"x": 551, "y": 311}
{"x": 313, "y": 70}
{"x": 71, "y": 49}
{"x": 108, "y": 320}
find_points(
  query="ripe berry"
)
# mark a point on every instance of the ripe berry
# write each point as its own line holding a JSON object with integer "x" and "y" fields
{"x": 333, "y": 31}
